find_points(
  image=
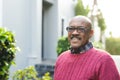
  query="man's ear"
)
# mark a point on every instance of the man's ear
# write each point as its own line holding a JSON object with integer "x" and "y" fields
{"x": 91, "y": 33}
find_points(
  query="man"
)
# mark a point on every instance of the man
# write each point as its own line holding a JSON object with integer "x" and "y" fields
{"x": 83, "y": 61}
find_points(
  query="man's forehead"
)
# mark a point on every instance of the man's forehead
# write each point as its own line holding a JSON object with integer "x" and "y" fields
{"x": 80, "y": 20}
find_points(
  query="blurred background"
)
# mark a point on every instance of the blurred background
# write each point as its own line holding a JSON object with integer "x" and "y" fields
{"x": 39, "y": 24}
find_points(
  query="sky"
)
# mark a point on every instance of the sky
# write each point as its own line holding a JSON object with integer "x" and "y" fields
{"x": 111, "y": 13}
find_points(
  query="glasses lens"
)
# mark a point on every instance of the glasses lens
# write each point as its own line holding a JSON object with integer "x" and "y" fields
{"x": 70, "y": 29}
{"x": 79, "y": 29}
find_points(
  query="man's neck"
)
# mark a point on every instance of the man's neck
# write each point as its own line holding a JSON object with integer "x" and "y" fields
{"x": 81, "y": 49}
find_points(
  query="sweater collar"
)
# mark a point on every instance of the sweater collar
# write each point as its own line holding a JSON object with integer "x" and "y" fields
{"x": 81, "y": 49}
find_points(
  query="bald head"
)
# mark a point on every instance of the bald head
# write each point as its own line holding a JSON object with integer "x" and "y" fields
{"x": 82, "y": 20}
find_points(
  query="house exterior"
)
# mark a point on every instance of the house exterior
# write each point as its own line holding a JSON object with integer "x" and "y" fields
{"x": 37, "y": 25}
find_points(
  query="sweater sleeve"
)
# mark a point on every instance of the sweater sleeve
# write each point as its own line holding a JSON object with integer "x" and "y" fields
{"x": 107, "y": 69}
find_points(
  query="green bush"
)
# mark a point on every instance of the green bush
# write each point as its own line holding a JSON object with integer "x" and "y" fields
{"x": 98, "y": 45}
{"x": 29, "y": 73}
{"x": 7, "y": 52}
{"x": 113, "y": 45}
{"x": 47, "y": 76}
{"x": 62, "y": 45}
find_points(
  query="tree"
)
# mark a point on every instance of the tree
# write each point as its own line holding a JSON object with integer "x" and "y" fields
{"x": 80, "y": 9}
{"x": 101, "y": 24}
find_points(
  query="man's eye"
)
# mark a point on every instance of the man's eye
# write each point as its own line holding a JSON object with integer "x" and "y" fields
{"x": 81, "y": 29}
{"x": 71, "y": 28}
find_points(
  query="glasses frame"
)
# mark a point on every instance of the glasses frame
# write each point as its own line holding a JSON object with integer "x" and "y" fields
{"x": 79, "y": 29}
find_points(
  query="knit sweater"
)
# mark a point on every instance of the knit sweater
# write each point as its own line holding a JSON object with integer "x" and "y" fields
{"x": 93, "y": 64}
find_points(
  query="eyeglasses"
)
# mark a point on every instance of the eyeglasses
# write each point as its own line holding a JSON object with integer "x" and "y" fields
{"x": 79, "y": 29}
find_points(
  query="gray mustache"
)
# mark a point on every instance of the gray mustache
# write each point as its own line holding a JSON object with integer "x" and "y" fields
{"x": 74, "y": 36}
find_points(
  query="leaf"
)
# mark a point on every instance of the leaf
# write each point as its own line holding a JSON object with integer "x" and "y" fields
{"x": 7, "y": 51}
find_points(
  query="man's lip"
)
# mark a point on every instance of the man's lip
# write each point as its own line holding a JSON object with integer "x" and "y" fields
{"x": 74, "y": 40}
{"x": 72, "y": 37}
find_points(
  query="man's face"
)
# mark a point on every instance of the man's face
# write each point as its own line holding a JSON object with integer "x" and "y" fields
{"x": 79, "y": 33}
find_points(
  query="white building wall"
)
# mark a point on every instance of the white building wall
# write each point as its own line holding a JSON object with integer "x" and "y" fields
{"x": 66, "y": 11}
{"x": 1, "y": 8}
{"x": 50, "y": 25}
{"x": 24, "y": 18}
{"x": 35, "y": 7}
{"x": 16, "y": 18}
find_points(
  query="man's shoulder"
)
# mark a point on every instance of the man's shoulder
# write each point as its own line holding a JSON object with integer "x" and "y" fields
{"x": 101, "y": 53}
{"x": 64, "y": 53}
{"x": 101, "y": 56}
{"x": 63, "y": 56}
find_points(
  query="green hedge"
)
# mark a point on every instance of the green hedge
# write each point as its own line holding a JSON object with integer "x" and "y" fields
{"x": 113, "y": 45}
{"x": 63, "y": 45}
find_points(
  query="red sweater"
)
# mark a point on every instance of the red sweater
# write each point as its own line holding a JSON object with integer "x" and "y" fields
{"x": 91, "y": 65}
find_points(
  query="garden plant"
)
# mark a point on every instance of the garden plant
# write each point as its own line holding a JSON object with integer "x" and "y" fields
{"x": 8, "y": 50}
